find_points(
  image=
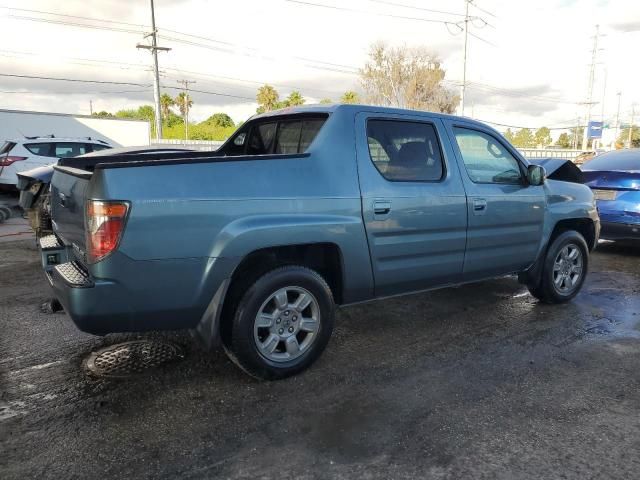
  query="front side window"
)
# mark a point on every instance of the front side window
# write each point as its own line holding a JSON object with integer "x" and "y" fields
{"x": 486, "y": 159}
{"x": 405, "y": 151}
{"x": 41, "y": 149}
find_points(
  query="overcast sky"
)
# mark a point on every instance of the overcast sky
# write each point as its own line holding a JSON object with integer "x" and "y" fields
{"x": 531, "y": 65}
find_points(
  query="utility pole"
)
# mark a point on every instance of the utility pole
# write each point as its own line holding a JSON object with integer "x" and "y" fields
{"x": 464, "y": 64}
{"x": 156, "y": 75}
{"x": 589, "y": 103}
{"x": 90, "y": 107}
{"x": 633, "y": 112}
{"x": 617, "y": 120}
{"x": 185, "y": 85}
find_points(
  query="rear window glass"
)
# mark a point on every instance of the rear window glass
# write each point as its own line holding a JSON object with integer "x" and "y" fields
{"x": 6, "y": 147}
{"x": 622, "y": 160}
{"x": 261, "y": 139}
{"x": 97, "y": 147}
{"x": 281, "y": 136}
{"x": 65, "y": 150}
{"x": 42, "y": 149}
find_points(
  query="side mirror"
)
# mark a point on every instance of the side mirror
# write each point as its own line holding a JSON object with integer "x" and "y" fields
{"x": 536, "y": 175}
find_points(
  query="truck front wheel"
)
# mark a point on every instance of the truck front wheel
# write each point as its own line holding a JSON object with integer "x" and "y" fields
{"x": 282, "y": 323}
{"x": 564, "y": 269}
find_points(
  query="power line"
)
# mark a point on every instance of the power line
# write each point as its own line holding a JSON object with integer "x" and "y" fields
{"x": 103, "y": 20}
{"x": 79, "y": 80}
{"x": 527, "y": 128}
{"x": 383, "y": 2}
{"x": 482, "y": 9}
{"x": 64, "y": 79}
{"x": 73, "y": 24}
{"x": 366, "y": 12}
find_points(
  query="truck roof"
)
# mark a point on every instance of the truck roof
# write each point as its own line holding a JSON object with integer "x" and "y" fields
{"x": 332, "y": 107}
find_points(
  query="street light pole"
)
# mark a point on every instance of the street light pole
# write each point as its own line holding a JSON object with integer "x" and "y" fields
{"x": 594, "y": 52}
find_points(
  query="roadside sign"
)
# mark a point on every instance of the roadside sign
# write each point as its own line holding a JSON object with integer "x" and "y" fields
{"x": 595, "y": 130}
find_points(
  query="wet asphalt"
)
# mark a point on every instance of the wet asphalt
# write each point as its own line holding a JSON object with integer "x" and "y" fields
{"x": 479, "y": 381}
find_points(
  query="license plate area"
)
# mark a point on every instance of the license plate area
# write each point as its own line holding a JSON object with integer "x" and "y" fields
{"x": 605, "y": 194}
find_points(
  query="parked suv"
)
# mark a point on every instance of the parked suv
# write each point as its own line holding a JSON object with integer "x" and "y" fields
{"x": 303, "y": 209}
{"x": 31, "y": 152}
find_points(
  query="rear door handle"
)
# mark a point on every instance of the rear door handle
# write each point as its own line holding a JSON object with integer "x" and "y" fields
{"x": 381, "y": 207}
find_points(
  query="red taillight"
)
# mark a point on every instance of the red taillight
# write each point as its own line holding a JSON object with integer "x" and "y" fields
{"x": 8, "y": 160}
{"x": 105, "y": 223}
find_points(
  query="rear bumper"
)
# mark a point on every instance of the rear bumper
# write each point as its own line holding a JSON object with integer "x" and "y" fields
{"x": 134, "y": 296}
{"x": 620, "y": 231}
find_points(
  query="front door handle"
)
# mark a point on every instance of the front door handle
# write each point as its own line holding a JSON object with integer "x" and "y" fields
{"x": 479, "y": 206}
{"x": 381, "y": 207}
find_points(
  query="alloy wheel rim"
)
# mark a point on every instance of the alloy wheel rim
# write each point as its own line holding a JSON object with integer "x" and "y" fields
{"x": 287, "y": 324}
{"x": 567, "y": 269}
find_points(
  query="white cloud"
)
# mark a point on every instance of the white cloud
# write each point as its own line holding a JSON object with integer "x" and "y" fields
{"x": 542, "y": 51}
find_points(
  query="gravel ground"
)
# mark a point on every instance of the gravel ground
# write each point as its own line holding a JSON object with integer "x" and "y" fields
{"x": 479, "y": 381}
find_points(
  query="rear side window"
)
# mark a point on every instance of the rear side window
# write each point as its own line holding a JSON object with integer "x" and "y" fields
{"x": 66, "y": 150}
{"x": 6, "y": 147}
{"x": 42, "y": 149}
{"x": 405, "y": 151}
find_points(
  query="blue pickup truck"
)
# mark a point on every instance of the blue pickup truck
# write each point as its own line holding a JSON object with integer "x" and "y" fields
{"x": 303, "y": 209}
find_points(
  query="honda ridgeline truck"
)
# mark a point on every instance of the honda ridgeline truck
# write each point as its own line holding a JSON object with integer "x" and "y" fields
{"x": 303, "y": 209}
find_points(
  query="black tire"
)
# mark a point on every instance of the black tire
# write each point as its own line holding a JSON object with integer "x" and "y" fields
{"x": 239, "y": 341}
{"x": 546, "y": 290}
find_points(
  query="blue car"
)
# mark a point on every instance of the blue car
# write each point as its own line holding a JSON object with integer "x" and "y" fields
{"x": 614, "y": 178}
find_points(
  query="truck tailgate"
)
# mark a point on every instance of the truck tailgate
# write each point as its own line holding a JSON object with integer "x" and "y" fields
{"x": 68, "y": 193}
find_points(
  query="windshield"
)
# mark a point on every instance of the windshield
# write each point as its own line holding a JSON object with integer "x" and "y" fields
{"x": 620, "y": 160}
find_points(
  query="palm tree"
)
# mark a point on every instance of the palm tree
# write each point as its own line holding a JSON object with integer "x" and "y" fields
{"x": 350, "y": 97}
{"x": 184, "y": 103}
{"x": 166, "y": 102}
{"x": 267, "y": 98}
{"x": 294, "y": 99}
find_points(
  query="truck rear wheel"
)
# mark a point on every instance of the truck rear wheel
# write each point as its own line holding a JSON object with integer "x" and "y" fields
{"x": 564, "y": 270}
{"x": 281, "y": 324}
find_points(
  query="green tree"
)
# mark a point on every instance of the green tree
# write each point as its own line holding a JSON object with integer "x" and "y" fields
{"x": 542, "y": 137}
{"x": 524, "y": 138}
{"x": 564, "y": 140}
{"x": 326, "y": 101}
{"x": 166, "y": 102}
{"x": 350, "y": 97}
{"x": 103, "y": 114}
{"x": 575, "y": 134}
{"x": 143, "y": 112}
{"x": 184, "y": 103}
{"x": 623, "y": 139}
{"x": 509, "y": 135}
{"x": 294, "y": 99}
{"x": 267, "y": 98}
{"x": 220, "y": 120}
{"x": 407, "y": 78}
